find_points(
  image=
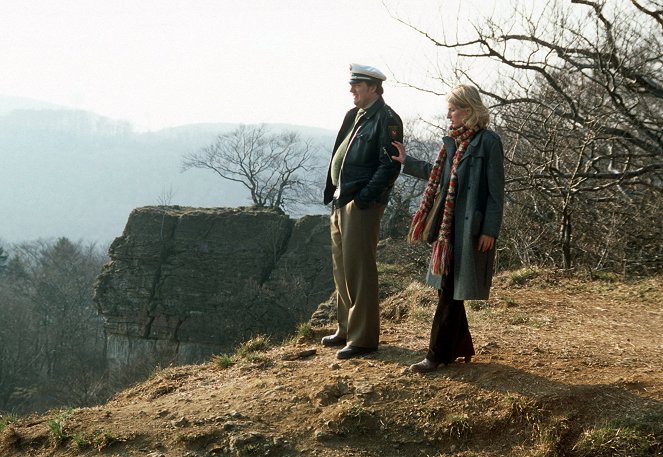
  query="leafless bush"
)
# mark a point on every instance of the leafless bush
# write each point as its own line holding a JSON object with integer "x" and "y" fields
{"x": 576, "y": 93}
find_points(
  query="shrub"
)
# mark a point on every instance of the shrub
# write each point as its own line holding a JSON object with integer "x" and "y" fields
{"x": 224, "y": 361}
{"x": 5, "y": 420}
{"x": 56, "y": 427}
{"x": 304, "y": 330}
{"x": 258, "y": 343}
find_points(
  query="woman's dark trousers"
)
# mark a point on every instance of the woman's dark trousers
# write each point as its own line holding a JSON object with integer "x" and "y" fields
{"x": 450, "y": 336}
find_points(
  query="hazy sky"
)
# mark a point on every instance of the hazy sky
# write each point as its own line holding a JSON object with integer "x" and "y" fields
{"x": 160, "y": 63}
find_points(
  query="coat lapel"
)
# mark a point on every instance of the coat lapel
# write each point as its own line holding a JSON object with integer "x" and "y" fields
{"x": 472, "y": 148}
{"x": 450, "y": 146}
{"x": 370, "y": 112}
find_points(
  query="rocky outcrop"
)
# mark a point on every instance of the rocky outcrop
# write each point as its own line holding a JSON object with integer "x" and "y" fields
{"x": 186, "y": 283}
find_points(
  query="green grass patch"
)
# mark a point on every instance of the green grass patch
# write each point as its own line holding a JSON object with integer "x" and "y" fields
{"x": 606, "y": 276}
{"x": 478, "y": 305}
{"x": 523, "y": 410}
{"x": 627, "y": 437}
{"x": 168, "y": 373}
{"x": 356, "y": 419}
{"x": 6, "y": 419}
{"x": 524, "y": 319}
{"x": 255, "y": 357}
{"x": 304, "y": 330}
{"x": 421, "y": 314}
{"x": 56, "y": 427}
{"x": 80, "y": 440}
{"x": 99, "y": 440}
{"x": 457, "y": 425}
{"x": 259, "y": 343}
{"x": 649, "y": 291}
{"x": 223, "y": 361}
{"x": 249, "y": 351}
{"x": 523, "y": 276}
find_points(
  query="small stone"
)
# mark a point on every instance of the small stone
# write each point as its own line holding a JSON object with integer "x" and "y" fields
{"x": 181, "y": 422}
{"x": 215, "y": 448}
{"x": 299, "y": 354}
{"x": 240, "y": 441}
{"x": 365, "y": 389}
{"x": 321, "y": 435}
{"x": 229, "y": 426}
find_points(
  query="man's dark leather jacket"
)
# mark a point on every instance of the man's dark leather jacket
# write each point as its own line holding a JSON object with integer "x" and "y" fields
{"x": 368, "y": 172}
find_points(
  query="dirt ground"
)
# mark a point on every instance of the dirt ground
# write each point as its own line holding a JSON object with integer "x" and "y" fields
{"x": 564, "y": 366}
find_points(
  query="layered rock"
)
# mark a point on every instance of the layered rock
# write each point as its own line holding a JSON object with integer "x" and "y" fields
{"x": 186, "y": 283}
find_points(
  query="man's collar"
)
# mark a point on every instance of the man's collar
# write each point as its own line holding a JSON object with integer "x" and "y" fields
{"x": 373, "y": 106}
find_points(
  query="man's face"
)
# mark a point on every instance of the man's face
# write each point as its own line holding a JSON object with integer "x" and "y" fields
{"x": 363, "y": 94}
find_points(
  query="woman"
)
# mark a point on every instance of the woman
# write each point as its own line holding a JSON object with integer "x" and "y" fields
{"x": 461, "y": 215}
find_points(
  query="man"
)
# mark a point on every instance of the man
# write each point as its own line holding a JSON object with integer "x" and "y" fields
{"x": 361, "y": 174}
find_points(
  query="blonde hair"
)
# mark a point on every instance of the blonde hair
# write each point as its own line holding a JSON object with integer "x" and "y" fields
{"x": 467, "y": 98}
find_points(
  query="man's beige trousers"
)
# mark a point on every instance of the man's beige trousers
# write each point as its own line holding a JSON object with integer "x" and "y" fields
{"x": 354, "y": 240}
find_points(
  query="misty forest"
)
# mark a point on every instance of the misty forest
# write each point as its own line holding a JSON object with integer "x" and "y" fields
{"x": 577, "y": 97}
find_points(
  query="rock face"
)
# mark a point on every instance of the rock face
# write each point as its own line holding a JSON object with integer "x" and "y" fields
{"x": 186, "y": 283}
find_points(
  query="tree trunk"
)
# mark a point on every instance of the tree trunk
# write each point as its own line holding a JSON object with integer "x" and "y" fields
{"x": 566, "y": 238}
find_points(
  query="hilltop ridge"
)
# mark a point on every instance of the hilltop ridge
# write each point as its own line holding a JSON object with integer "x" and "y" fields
{"x": 564, "y": 366}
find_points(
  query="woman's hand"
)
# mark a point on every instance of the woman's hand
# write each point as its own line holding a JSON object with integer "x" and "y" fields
{"x": 486, "y": 243}
{"x": 401, "y": 152}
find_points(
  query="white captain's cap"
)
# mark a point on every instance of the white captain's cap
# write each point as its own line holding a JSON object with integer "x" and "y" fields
{"x": 359, "y": 73}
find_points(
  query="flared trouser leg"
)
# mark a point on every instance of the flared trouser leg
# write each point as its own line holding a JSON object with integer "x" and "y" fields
{"x": 450, "y": 334}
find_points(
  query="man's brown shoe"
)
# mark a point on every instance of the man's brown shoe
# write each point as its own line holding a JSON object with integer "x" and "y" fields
{"x": 333, "y": 340}
{"x": 424, "y": 366}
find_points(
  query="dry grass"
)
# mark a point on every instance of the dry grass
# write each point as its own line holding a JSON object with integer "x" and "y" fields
{"x": 565, "y": 367}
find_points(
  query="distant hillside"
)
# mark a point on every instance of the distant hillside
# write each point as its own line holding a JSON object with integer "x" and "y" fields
{"x": 9, "y": 104}
{"x": 77, "y": 174}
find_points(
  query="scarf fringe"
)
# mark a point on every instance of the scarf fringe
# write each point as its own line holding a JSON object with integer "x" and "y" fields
{"x": 418, "y": 224}
{"x": 441, "y": 258}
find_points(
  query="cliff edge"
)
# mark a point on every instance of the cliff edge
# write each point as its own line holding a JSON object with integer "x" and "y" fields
{"x": 185, "y": 283}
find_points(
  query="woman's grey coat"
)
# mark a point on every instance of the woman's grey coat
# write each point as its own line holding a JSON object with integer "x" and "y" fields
{"x": 479, "y": 204}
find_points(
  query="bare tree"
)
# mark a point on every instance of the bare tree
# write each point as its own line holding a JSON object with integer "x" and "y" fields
{"x": 279, "y": 170}
{"x": 577, "y": 93}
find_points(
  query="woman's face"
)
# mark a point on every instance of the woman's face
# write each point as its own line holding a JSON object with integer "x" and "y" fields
{"x": 456, "y": 116}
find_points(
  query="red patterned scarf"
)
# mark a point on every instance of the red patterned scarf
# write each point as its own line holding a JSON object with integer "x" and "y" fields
{"x": 442, "y": 247}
